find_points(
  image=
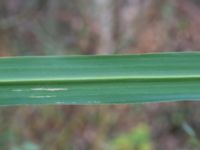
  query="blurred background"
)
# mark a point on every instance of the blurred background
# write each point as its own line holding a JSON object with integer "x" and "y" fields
{"x": 89, "y": 27}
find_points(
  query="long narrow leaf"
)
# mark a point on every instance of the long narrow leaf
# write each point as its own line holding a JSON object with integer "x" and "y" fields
{"x": 100, "y": 79}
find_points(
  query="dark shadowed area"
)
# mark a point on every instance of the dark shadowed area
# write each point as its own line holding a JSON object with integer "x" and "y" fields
{"x": 90, "y": 27}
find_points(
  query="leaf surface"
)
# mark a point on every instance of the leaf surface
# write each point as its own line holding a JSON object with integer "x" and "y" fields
{"x": 100, "y": 79}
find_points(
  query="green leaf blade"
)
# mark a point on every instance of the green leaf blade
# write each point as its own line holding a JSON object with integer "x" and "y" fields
{"x": 100, "y": 79}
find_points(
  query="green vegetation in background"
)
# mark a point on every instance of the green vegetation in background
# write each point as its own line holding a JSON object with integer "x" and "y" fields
{"x": 137, "y": 139}
{"x": 26, "y": 146}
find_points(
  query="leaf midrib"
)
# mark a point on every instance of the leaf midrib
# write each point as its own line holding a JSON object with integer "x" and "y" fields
{"x": 136, "y": 78}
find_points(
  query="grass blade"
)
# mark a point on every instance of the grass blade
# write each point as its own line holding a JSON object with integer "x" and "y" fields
{"x": 100, "y": 79}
